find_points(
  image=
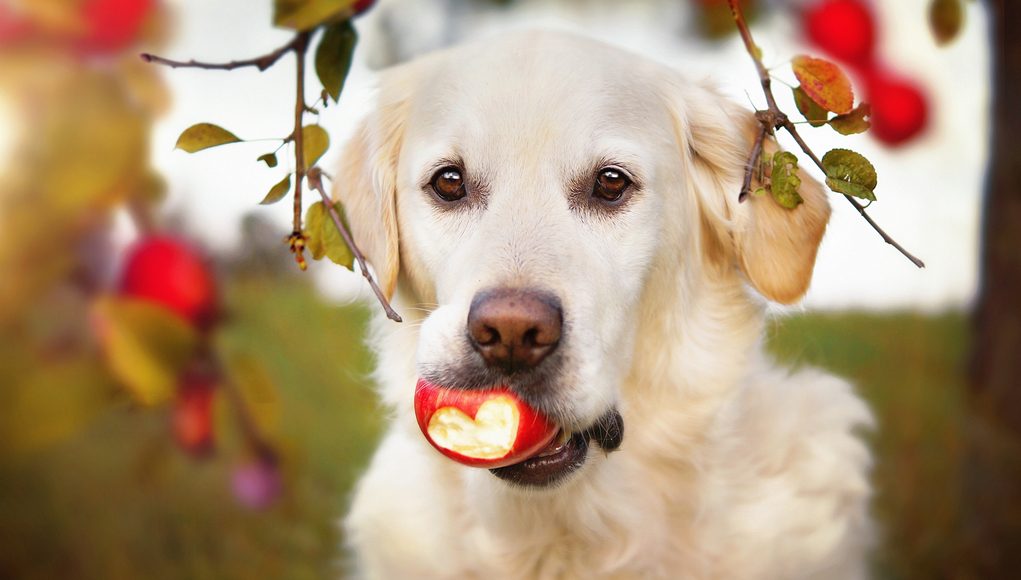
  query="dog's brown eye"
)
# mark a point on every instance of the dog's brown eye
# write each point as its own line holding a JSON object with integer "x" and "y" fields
{"x": 611, "y": 183}
{"x": 448, "y": 183}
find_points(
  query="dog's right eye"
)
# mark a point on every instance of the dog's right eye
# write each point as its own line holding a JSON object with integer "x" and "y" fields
{"x": 611, "y": 184}
{"x": 448, "y": 184}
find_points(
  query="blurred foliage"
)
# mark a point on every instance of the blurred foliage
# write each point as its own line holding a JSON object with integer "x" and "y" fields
{"x": 120, "y": 500}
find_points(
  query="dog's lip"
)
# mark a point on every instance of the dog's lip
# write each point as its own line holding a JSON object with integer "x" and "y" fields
{"x": 563, "y": 456}
{"x": 546, "y": 467}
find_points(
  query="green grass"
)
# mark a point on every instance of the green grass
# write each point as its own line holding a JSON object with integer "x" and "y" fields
{"x": 121, "y": 501}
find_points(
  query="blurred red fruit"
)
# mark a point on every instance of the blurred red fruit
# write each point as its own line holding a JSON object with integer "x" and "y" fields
{"x": 900, "y": 110}
{"x": 257, "y": 484}
{"x": 13, "y": 28}
{"x": 843, "y": 28}
{"x": 168, "y": 271}
{"x": 192, "y": 418}
{"x": 112, "y": 25}
{"x": 361, "y": 6}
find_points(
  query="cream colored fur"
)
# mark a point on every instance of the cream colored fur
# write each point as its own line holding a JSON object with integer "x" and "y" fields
{"x": 730, "y": 467}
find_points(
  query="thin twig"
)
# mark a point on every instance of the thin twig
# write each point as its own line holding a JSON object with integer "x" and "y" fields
{"x": 773, "y": 118}
{"x": 315, "y": 181}
{"x": 753, "y": 162}
{"x": 300, "y": 48}
{"x": 262, "y": 62}
{"x": 789, "y": 127}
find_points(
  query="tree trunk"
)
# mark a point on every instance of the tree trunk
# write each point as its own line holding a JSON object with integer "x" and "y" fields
{"x": 992, "y": 475}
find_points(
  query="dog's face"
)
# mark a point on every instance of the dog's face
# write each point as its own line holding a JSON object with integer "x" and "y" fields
{"x": 524, "y": 191}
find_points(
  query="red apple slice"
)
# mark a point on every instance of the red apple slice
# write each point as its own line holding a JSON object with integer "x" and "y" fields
{"x": 492, "y": 428}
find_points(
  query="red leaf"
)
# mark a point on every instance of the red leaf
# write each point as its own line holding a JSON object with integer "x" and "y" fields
{"x": 825, "y": 83}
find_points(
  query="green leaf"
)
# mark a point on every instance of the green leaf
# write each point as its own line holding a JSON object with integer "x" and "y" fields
{"x": 785, "y": 180}
{"x": 946, "y": 18}
{"x": 203, "y": 136}
{"x": 146, "y": 346}
{"x": 278, "y": 191}
{"x": 850, "y": 173}
{"x": 315, "y": 140}
{"x": 854, "y": 122}
{"x": 307, "y": 14}
{"x": 813, "y": 113}
{"x": 270, "y": 159}
{"x": 824, "y": 83}
{"x": 324, "y": 240}
{"x": 334, "y": 55}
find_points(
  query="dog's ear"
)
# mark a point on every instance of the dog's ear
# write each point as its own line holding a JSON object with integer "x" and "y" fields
{"x": 366, "y": 183}
{"x": 775, "y": 247}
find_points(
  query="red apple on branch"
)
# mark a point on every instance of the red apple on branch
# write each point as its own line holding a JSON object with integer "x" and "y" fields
{"x": 361, "y": 6}
{"x": 900, "y": 109}
{"x": 170, "y": 272}
{"x": 843, "y": 28}
{"x": 112, "y": 25}
{"x": 491, "y": 428}
{"x": 192, "y": 415}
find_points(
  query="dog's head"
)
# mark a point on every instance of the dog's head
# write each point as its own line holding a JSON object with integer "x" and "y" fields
{"x": 529, "y": 191}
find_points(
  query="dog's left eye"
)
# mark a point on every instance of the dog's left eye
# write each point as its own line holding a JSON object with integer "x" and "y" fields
{"x": 611, "y": 184}
{"x": 448, "y": 184}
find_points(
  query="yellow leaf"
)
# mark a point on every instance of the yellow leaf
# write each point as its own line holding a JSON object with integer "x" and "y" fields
{"x": 278, "y": 191}
{"x": 946, "y": 18}
{"x": 203, "y": 136}
{"x": 146, "y": 346}
{"x": 315, "y": 140}
{"x": 257, "y": 390}
{"x": 307, "y": 14}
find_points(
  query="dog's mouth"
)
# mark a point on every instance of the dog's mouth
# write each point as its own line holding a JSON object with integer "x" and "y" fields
{"x": 565, "y": 454}
{"x": 495, "y": 429}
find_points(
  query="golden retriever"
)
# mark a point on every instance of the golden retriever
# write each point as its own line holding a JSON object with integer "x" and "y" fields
{"x": 604, "y": 186}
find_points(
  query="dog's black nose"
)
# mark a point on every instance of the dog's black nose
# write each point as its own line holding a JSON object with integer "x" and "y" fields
{"x": 514, "y": 329}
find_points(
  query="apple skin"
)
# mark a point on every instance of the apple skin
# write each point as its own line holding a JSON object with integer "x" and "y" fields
{"x": 170, "y": 272}
{"x": 534, "y": 431}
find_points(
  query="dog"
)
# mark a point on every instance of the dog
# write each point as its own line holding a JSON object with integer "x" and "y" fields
{"x": 600, "y": 190}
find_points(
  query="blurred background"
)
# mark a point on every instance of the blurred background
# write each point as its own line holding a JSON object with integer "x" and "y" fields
{"x": 178, "y": 399}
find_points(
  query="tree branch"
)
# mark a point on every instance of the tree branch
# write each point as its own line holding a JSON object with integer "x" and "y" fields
{"x": 753, "y": 162}
{"x": 300, "y": 48}
{"x": 261, "y": 62}
{"x": 773, "y": 118}
{"x": 315, "y": 181}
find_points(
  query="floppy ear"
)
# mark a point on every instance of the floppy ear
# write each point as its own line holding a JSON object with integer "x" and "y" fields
{"x": 773, "y": 246}
{"x": 366, "y": 184}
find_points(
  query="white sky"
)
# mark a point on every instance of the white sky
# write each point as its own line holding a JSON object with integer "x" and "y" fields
{"x": 929, "y": 193}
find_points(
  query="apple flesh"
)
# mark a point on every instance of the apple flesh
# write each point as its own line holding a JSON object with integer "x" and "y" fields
{"x": 490, "y": 429}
